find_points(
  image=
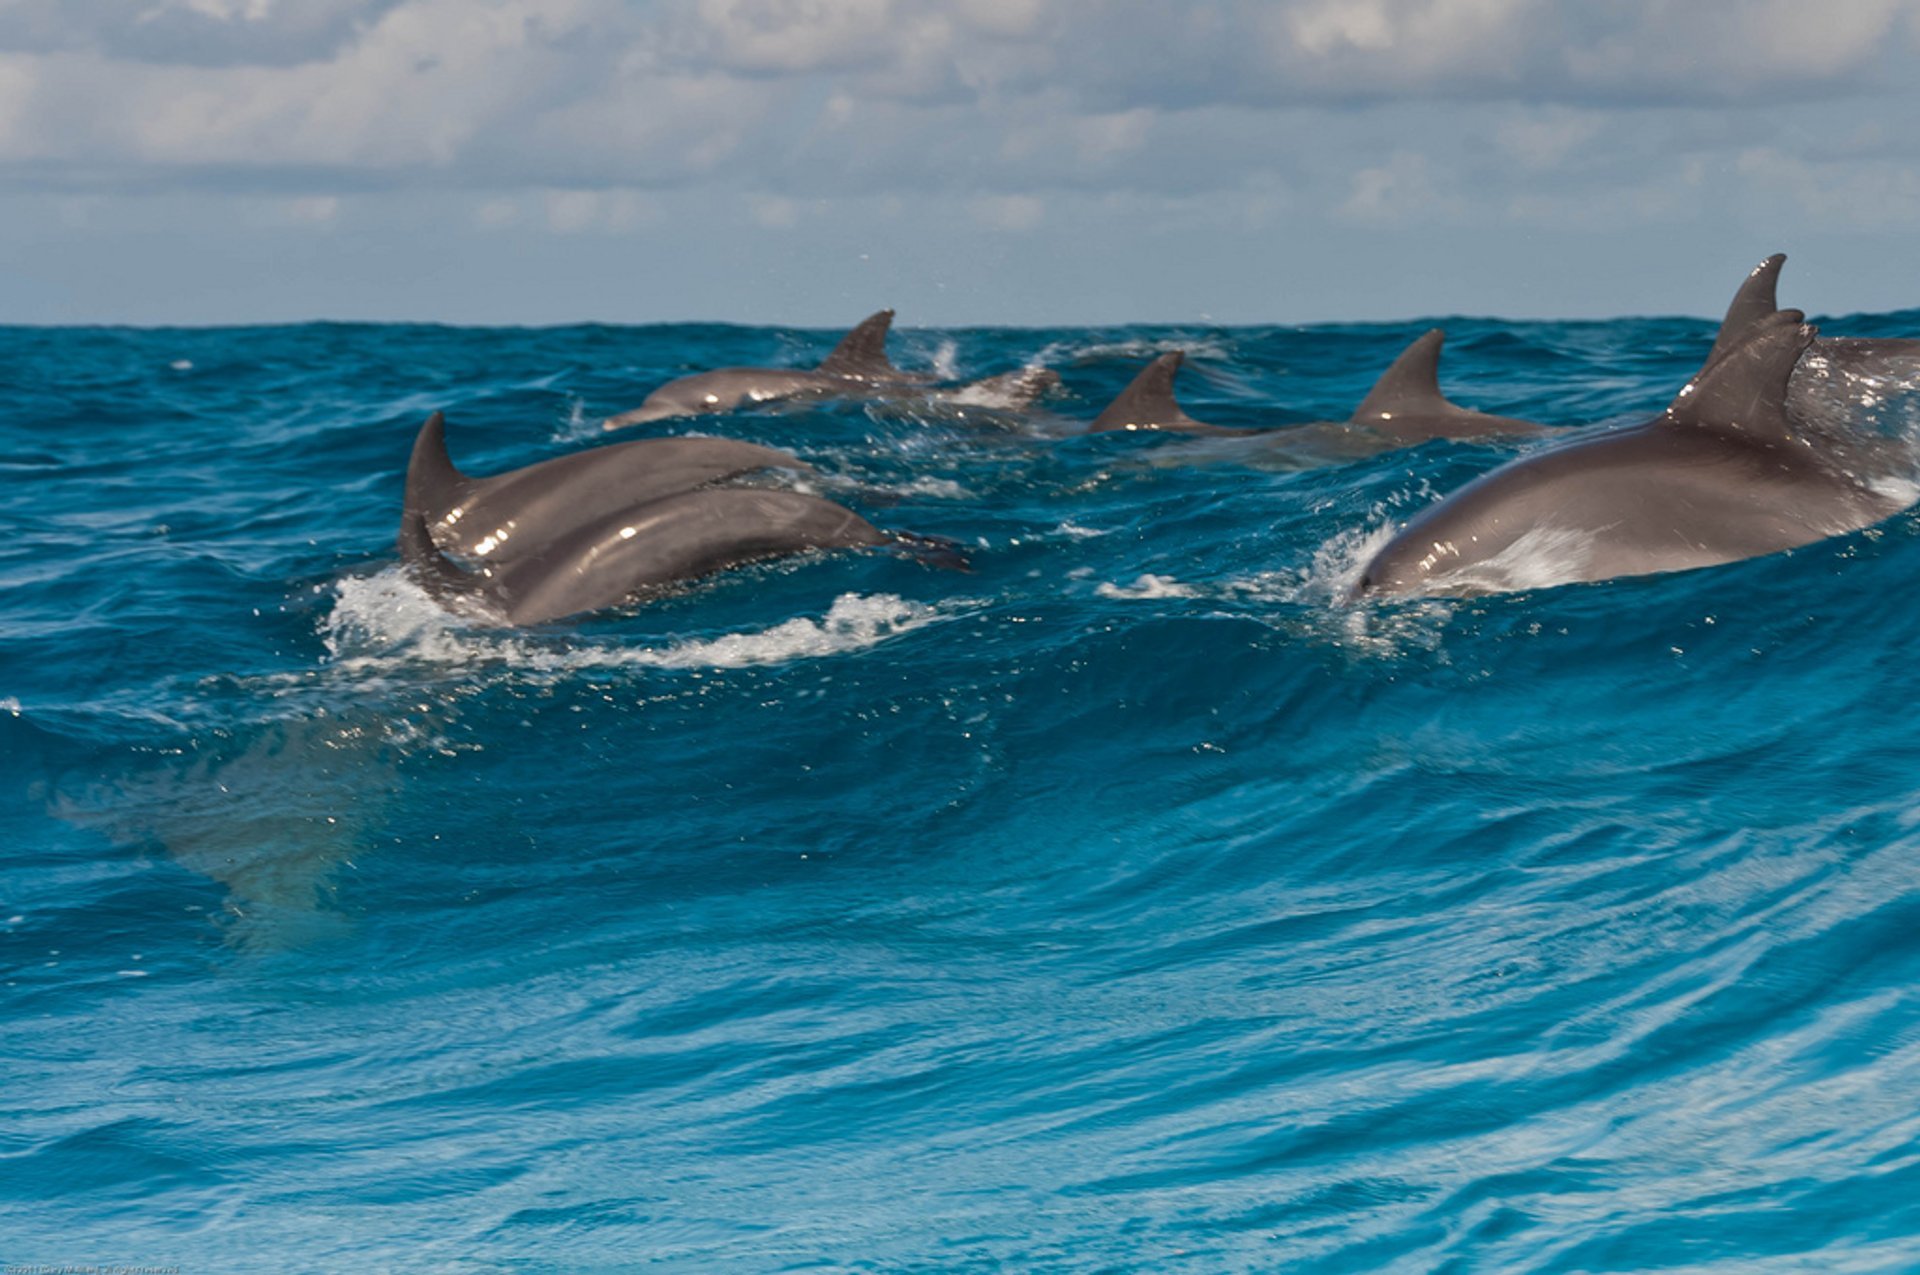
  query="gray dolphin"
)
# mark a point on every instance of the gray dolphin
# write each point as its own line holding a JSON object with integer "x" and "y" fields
{"x": 509, "y": 515}
{"x": 1405, "y": 406}
{"x": 639, "y": 550}
{"x": 1723, "y": 474}
{"x": 1756, "y": 299}
{"x": 857, "y": 367}
{"x": 1148, "y": 403}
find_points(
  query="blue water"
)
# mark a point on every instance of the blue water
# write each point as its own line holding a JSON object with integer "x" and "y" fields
{"x": 1128, "y": 904}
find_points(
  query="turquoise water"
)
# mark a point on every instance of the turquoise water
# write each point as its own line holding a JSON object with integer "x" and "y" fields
{"x": 1131, "y": 903}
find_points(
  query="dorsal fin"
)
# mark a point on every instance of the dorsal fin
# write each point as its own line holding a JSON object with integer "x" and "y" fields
{"x": 433, "y": 485}
{"x": 1754, "y": 302}
{"x": 1411, "y": 385}
{"x": 1743, "y": 393}
{"x": 1148, "y": 402}
{"x": 863, "y": 351}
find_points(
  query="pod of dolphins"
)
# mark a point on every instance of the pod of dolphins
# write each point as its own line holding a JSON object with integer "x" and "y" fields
{"x": 1726, "y": 472}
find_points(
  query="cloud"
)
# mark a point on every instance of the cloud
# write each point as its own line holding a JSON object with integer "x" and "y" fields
{"x": 775, "y": 212}
{"x": 1008, "y": 212}
{"x": 1845, "y": 193}
{"x": 1406, "y": 189}
{"x": 572, "y": 212}
{"x": 570, "y": 117}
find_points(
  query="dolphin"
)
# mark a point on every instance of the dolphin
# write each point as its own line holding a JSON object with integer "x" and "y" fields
{"x": 1723, "y": 474}
{"x": 857, "y": 367}
{"x": 509, "y": 515}
{"x": 1756, "y": 299}
{"x": 1405, "y": 406}
{"x": 1148, "y": 403}
{"x": 639, "y": 550}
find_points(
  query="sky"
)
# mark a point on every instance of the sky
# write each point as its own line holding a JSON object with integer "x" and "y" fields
{"x": 968, "y": 162}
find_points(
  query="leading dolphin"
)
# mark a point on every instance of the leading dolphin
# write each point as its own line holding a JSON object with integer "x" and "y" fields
{"x": 507, "y": 515}
{"x": 857, "y": 367}
{"x": 640, "y": 550}
{"x": 1723, "y": 474}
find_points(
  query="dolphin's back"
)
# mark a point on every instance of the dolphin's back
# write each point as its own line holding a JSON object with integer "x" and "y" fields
{"x": 516, "y": 513}
{"x": 678, "y": 537}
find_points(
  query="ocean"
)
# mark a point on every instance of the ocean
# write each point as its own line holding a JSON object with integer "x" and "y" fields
{"x": 1133, "y": 902}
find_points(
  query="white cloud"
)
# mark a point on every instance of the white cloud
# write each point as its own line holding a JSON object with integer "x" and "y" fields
{"x": 1008, "y": 212}
{"x": 775, "y": 212}
{"x": 572, "y": 212}
{"x": 795, "y": 36}
{"x": 311, "y": 210}
{"x": 1851, "y": 194}
{"x": 1545, "y": 137}
{"x": 497, "y": 214}
{"x": 565, "y": 114}
{"x": 1403, "y": 190}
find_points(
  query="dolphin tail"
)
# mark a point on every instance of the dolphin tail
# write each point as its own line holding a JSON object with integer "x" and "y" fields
{"x": 1148, "y": 402}
{"x": 931, "y": 551}
{"x": 1411, "y": 385}
{"x": 434, "y": 486}
{"x": 1753, "y": 302}
{"x": 430, "y": 568}
{"x": 863, "y": 351}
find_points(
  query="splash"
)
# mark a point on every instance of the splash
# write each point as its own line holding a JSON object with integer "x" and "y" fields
{"x": 932, "y": 487}
{"x": 576, "y": 426}
{"x": 1008, "y": 392}
{"x": 946, "y": 360}
{"x": 382, "y": 621}
{"x": 1316, "y": 604}
{"x": 1056, "y": 353}
{"x": 1148, "y": 585}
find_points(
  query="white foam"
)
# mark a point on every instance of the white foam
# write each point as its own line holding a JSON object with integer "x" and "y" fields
{"x": 854, "y": 622}
{"x": 1007, "y": 392}
{"x": 1058, "y": 352}
{"x": 928, "y": 485}
{"x": 381, "y": 621}
{"x": 1148, "y": 585}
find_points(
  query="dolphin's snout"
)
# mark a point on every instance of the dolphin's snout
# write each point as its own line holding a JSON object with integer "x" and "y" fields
{"x": 645, "y": 414}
